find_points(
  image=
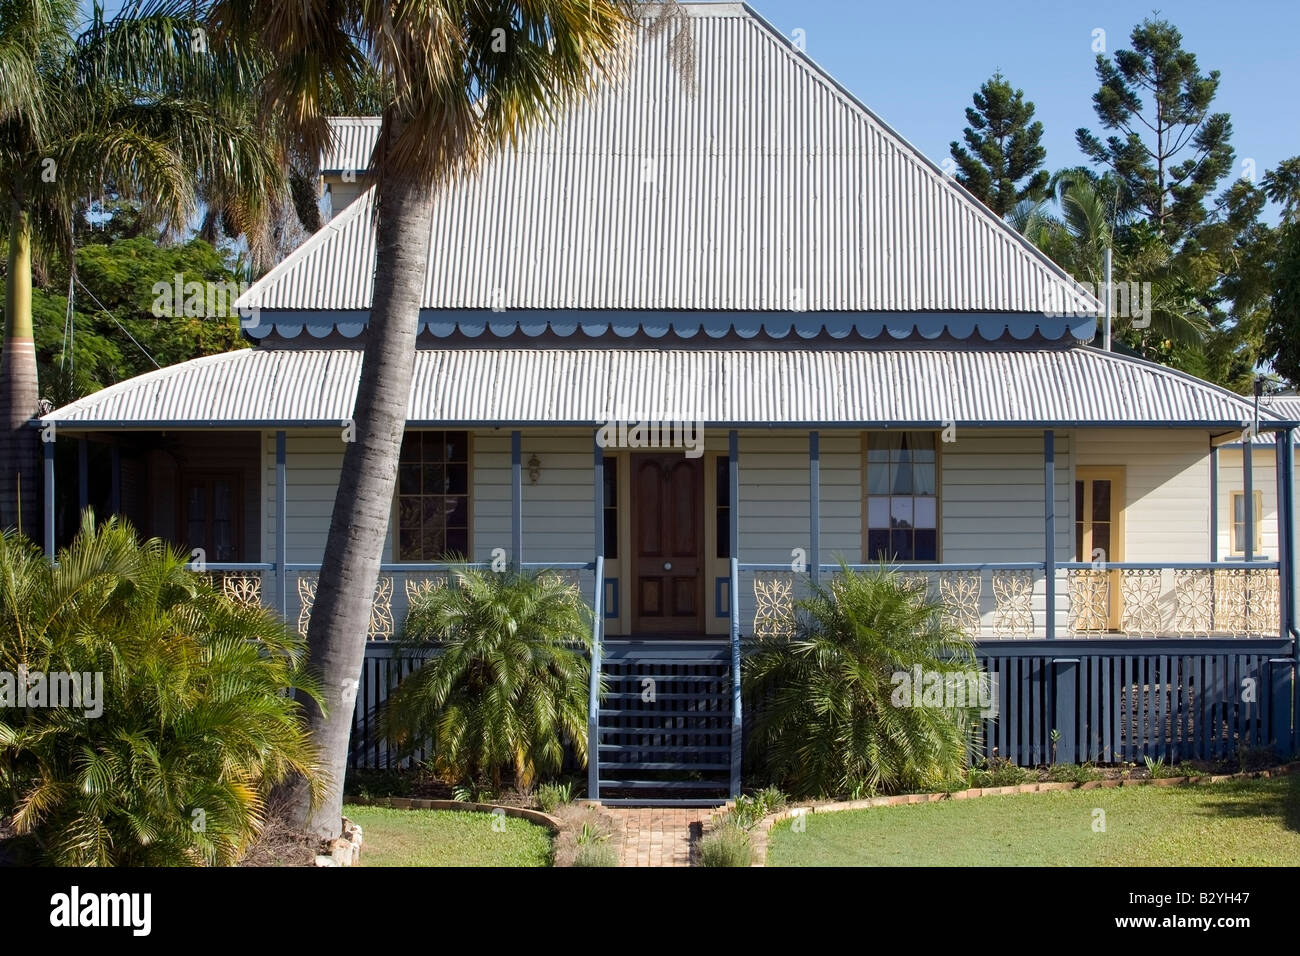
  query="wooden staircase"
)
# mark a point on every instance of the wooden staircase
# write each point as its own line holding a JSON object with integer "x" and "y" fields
{"x": 664, "y": 728}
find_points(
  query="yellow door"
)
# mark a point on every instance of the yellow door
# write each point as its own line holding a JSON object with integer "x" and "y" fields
{"x": 1099, "y": 525}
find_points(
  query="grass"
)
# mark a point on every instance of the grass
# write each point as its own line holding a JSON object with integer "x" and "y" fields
{"x": 1241, "y": 823}
{"x": 447, "y": 838}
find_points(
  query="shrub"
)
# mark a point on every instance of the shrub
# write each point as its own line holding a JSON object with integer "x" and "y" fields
{"x": 826, "y": 723}
{"x": 727, "y": 845}
{"x": 997, "y": 772}
{"x": 507, "y": 684}
{"x": 551, "y": 796}
{"x": 595, "y": 854}
{"x": 1072, "y": 773}
{"x": 195, "y": 727}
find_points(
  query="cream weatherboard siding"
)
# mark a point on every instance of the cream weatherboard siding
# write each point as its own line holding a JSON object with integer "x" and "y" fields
{"x": 1264, "y": 478}
{"x": 1166, "y": 485}
{"x": 313, "y": 460}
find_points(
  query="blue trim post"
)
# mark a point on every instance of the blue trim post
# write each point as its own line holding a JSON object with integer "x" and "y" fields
{"x": 598, "y": 495}
{"x": 1286, "y": 527}
{"x": 48, "y": 446}
{"x": 1214, "y": 502}
{"x": 815, "y": 503}
{"x": 516, "y": 500}
{"x": 598, "y": 625}
{"x": 83, "y": 476}
{"x": 1248, "y": 486}
{"x": 1049, "y": 533}
{"x": 733, "y": 484}
{"x": 282, "y": 521}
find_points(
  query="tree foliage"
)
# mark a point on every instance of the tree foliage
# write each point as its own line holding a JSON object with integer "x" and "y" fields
{"x": 194, "y": 725}
{"x": 1002, "y": 161}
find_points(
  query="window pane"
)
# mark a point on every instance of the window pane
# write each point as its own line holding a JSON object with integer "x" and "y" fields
{"x": 724, "y": 533}
{"x": 923, "y": 478}
{"x": 457, "y": 479}
{"x": 901, "y": 545}
{"x": 408, "y": 513}
{"x": 877, "y": 478}
{"x": 877, "y": 512}
{"x": 457, "y": 543}
{"x": 722, "y": 482}
{"x": 435, "y": 479}
{"x": 1101, "y": 500}
{"x": 457, "y": 511}
{"x": 408, "y": 480}
{"x": 927, "y": 546}
{"x": 926, "y": 515}
{"x": 611, "y": 533}
{"x": 1100, "y": 541}
{"x": 1078, "y": 541}
{"x": 411, "y": 446}
{"x": 457, "y": 446}
{"x": 923, "y": 441}
{"x": 900, "y": 512}
{"x": 408, "y": 545}
{"x": 901, "y": 478}
{"x": 611, "y": 482}
{"x": 1239, "y": 508}
{"x": 877, "y": 545}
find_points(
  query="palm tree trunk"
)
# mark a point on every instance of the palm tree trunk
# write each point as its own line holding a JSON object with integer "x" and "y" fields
{"x": 18, "y": 389}
{"x": 336, "y": 636}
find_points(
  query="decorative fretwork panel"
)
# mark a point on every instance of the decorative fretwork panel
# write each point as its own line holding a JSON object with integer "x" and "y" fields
{"x": 1230, "y": 600}
{"x": 960, "y": 593}
{"x": 1013, "y": 595}
{"x": 1089, "y": 590}
{"x": 567, "y": 577}
{"x": 242, "y": 586}
{"x": 773, "y": 604}
{"x": 381, "y": 611}
{"x": 416, "y": 589}
{"x": 1263, "y": 602}
{"x": 1193, "y": 602}
{"x": 1140, "y": 592}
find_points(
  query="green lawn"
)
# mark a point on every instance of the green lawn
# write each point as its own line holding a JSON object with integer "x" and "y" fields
{"x": 1243, "y": 823}
{"x": 447, "y": 838}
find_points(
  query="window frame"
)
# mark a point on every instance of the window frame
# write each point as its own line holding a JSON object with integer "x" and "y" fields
{"x": 863, "y": 464}
{"x": 1234, "y": 543}
{"x": 395, "y": 530}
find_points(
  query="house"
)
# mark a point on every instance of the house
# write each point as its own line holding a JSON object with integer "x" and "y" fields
{"x": 692, "y": 347}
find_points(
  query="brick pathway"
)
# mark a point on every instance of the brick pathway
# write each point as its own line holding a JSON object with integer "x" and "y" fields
{"x": 656, "y": 836}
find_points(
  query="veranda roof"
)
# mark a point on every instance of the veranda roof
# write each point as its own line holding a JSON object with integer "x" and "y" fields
{"x": 825, "y": 387}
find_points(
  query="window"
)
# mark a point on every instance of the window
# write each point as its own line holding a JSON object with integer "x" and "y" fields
{"x": 722, "y": 491}
{"x": 1239, "y": 521}
{"x": 433, "y": 496}
{"x": 611, "y": 508}
{"x": 902, "y": 497}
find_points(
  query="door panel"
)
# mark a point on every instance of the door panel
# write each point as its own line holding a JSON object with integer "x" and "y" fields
{"x": 668, "y": 506}
{"x": 212, "y": 514}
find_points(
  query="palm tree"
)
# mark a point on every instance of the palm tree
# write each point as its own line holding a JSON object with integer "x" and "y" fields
{"x": 1092, "y": 219}
{"x": 193, "y": 727}
{"x": 508, "y": 682}
{"x": 142, "y": 106}
{"x": 463, "y": 79}
{"x": 828, "y": 721}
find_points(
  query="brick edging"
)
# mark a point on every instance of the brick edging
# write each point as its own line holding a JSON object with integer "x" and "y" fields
{"x": 410, "y": 803}
{"x": 764, "y": 826}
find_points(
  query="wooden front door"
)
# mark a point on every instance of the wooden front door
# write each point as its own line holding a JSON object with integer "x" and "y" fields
{"x": 668, "y": 544}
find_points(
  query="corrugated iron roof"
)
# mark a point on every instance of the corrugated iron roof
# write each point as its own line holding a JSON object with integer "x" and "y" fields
{"x": 767, "y": 188}
{"x": 826, "y": 386}
{"x": 352, "y": 138}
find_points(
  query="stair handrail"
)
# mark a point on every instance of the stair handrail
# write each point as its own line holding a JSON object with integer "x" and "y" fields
{"x": 593, "y": 702}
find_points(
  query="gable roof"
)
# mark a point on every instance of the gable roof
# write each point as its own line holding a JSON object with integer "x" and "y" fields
{"x": 767, "y": 188}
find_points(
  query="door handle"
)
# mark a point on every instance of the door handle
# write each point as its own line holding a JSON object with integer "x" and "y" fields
{"x": 668, "y": 565}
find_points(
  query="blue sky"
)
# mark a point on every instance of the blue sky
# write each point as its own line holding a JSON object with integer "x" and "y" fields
{"x": 916, "y": 64}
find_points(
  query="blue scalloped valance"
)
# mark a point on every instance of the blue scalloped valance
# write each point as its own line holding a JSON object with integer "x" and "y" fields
{"x": 475, "y": 323}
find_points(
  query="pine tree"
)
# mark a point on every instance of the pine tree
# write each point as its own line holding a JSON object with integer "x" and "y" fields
{"x": 1165, "y": 145}
{"x": 1002, "y": 162}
